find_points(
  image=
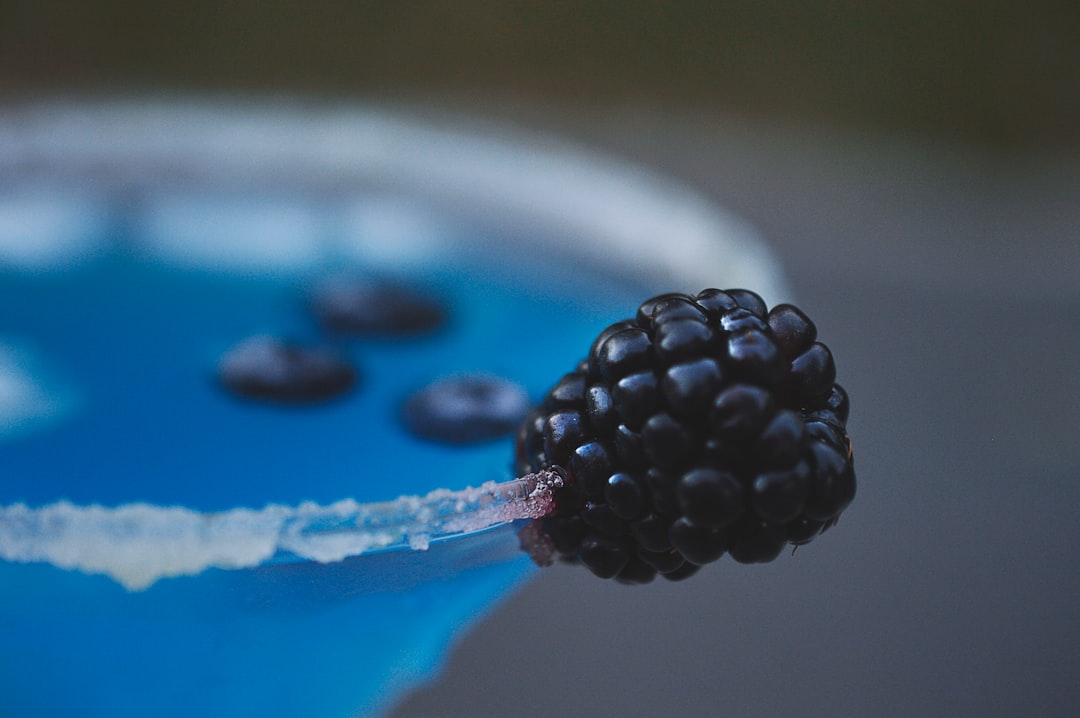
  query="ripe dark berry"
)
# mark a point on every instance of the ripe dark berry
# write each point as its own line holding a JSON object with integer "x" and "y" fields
{"x": 710, "y": 497}
{"x": 269, "y": 369}
{"x": 564, "y": 432}
{"x": 636, "y": 398}
{"x": 669, "y": 444}
{"x": 651, "y": 533}
{"x": 465, "y": 409}
{"x": 781, "y": 441}
{"x": 825, "y": 431}
{"x": 566, "y": 532}
{"x": 754, "y": 356}
{"x": 682, "y": 572}
{"x": 605, "y": 556}
{"x": 625, "y": 352}
{"x": 649, "y": 308}
{"x": 705, "y": 425}
{"x": 593, "y": 360}
{"x": 754, "y": 540}
{"x": 376, "y": 307}
{"x": 697, "y": 544}
{"x": 803, "y": 530}
{"x": 661, "y": 485}
{"x": 724, "y": 454}
{"x": 625, "y": 495}
{"x": 569, "y": 392}
{"x": 600, "y": 409}
{"x": 839, "y": 403}
{"x": 687, "y": 388}
{"x": 740, "y": 319}
{"x": 628, "y": 449}
{"x": 748, "y": 300}
{"x": 780, "y": 494}
{"x": 590, "y": 467}
{"x": 739, "y": 412}
{"x": 673, "y": 309}
{"x": 812, "y": 373}
{"x": 832, "y": 487}
{"x": 793, "y": 330}
{"x": 599, "y": 516}
{"x": 662, "y": 561}
{"x": 682, "y": 339}
{"x": 716, "y": 302}
{"x": 635, "y": 572}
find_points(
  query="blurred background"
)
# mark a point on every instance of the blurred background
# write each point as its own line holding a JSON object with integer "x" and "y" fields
{"x": 916, "y": 167}
{"x": 1001, "y": 72}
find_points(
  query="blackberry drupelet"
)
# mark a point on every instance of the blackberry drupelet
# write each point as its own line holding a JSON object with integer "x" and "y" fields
{"x": 705, "y": 425}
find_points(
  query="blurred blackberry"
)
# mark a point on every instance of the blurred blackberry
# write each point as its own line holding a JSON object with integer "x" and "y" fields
{"x": 705, "y": 425}
{"x": 465, "y": 409}
{"x": 268, "y": 369}
{"x": 376, "y": 306}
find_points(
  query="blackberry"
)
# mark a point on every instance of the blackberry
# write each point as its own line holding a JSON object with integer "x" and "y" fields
{"x": 465, "y": 409}
{"x": 375, "y": 307}
{"x": 707, "y": 424}
{"x": 268, "y": 369}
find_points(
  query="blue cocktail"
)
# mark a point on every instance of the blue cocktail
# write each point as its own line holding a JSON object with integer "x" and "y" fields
{"x": 170, "y": 548}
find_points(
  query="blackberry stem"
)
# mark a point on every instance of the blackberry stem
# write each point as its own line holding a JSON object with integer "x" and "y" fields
{"x": 416, "y": 521}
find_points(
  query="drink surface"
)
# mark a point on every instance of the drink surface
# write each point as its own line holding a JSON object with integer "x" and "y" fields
{"x": 130, "y": 347}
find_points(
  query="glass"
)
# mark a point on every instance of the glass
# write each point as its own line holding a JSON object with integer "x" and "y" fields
{"x": 169, "y": 549}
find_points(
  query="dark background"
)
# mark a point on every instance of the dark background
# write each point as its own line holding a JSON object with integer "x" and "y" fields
{"x": 996, "y": 71}
{"x": 915, "y": 165}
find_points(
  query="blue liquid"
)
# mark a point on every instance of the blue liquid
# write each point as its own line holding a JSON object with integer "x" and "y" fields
{"x": 134, "y": 343}
{"x": 340, "y": 639}
{"x": 138, "y": 343}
